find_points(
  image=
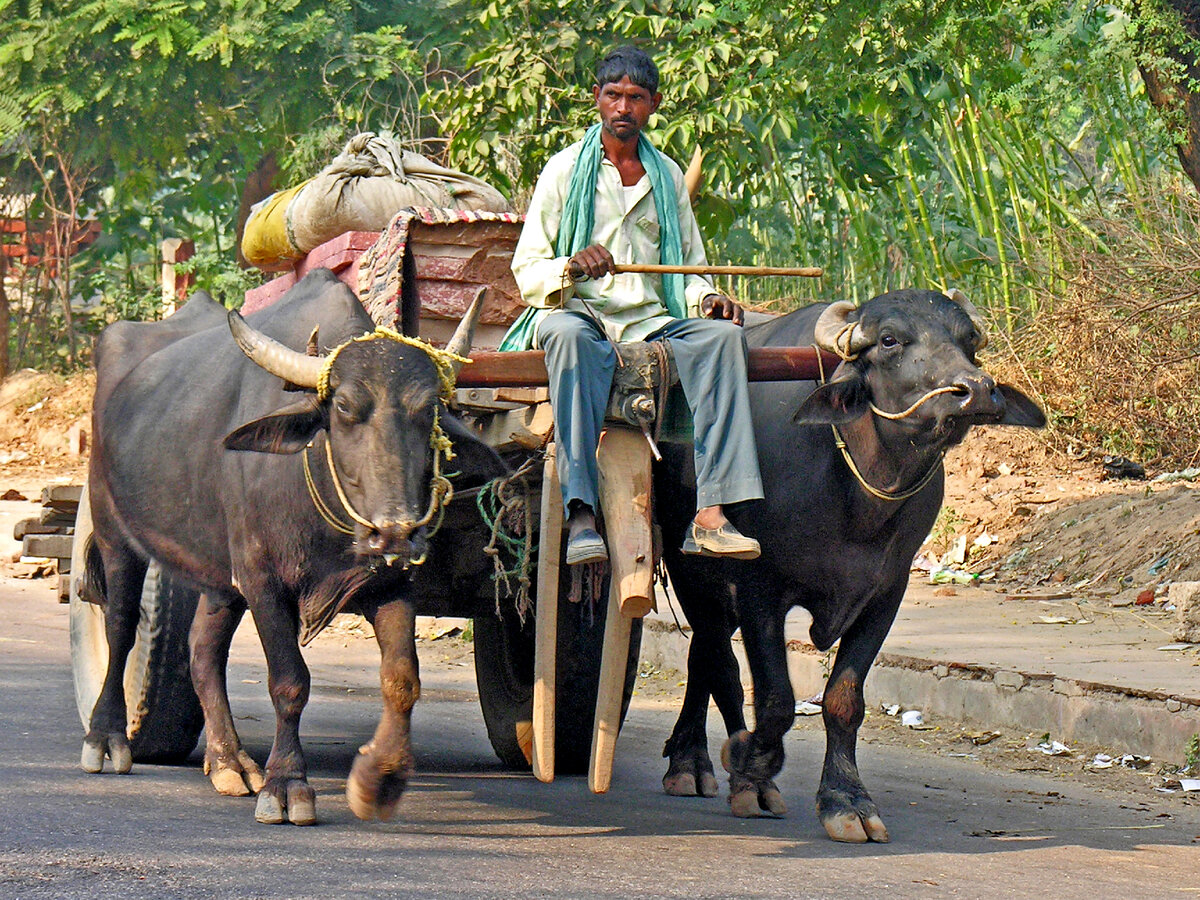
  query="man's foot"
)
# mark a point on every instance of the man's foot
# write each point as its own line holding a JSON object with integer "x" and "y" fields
{"x": 584, "y": 544}
{"x": 724, "y": 540}
{"x": 586, "y": 547}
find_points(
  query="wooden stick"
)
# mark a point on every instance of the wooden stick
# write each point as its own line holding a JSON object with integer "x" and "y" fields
{"x": 659, "y": 269}
{"x": 624, "y": 461}
{"x": 545, "y": 645}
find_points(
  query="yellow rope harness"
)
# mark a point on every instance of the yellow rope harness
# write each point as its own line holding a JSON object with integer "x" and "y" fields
{"x": 440, "y": 489}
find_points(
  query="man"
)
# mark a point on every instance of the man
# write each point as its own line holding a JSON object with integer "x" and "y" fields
{"x": 611, "y": 199}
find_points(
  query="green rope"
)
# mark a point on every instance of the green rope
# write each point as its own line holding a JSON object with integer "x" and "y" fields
{"x": 504, "y": 507}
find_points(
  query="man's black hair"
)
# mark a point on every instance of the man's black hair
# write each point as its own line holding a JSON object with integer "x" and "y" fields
{"x": 630, "y": 61}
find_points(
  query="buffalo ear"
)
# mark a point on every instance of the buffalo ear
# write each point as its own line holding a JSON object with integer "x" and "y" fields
{"x": 287, "y": 430}
{"x": 476, "y": 461}
{"x": 837, "y": 402}
{"x": 1019, "y": 409}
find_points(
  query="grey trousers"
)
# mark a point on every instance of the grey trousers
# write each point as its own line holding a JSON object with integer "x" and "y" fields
{"x": 710, "y": 355}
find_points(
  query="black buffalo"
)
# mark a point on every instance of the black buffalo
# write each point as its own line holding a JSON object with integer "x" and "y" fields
{"x": 839, "y": 529}
{"x": 322, "y": 509}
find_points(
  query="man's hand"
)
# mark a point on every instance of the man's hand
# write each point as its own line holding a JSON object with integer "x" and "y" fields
{"x": 590, "y": 262}
{"x": 716, "y": 306}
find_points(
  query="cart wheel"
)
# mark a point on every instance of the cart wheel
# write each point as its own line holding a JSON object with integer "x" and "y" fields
{"x": 504, "y": 675}
{"x": 164, "y": 713}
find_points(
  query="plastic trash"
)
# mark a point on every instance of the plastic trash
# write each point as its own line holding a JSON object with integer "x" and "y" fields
{"x": 1053, "y": 748}
{"x": 911, "y": 718}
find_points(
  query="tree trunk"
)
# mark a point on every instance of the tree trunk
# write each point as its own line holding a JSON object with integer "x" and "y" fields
{"x": 1179, "y": 101}
{"x": 259, "y": 184}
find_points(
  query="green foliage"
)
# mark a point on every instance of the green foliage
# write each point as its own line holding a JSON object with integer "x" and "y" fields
{"x": 1191, "y": 761}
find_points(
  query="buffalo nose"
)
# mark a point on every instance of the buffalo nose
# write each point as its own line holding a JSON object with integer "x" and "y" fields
{"x": 975, "y": 390}
{"x": 390, "y": 537}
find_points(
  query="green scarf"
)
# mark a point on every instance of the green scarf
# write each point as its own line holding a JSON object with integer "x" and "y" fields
{"x": 579, "y": 219}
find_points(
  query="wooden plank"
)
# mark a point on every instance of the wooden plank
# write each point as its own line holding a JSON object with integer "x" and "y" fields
{"x": 545, "y": 645}
{"x": 527, "y": 368}
{"x": 623, "y": 458}
{"x": 525, "y": 428}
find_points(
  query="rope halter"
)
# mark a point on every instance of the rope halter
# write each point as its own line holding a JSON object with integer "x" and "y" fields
{"x": 440, "y": 489}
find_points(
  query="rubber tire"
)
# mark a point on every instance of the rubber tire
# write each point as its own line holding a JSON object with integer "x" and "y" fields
{"x": 164, "y": 714}
{"x": 504, "y": 676}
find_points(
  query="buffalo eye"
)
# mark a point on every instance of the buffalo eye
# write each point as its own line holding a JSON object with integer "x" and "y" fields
{"x": 888, "y": 341}
{"x": 349, "y": 409}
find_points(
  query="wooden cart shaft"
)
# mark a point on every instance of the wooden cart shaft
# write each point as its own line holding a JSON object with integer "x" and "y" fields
{"x": 527, "y": 368}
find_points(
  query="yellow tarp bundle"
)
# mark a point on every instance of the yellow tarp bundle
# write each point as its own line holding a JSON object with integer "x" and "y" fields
{"x": 265, "y": 240}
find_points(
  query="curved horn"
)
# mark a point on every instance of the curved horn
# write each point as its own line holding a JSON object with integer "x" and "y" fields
{"x": 460, "y": 343}
{"x": 288, "y": 364}
{"x": 694, "y": 175}
{"x": 835, "y": 332}
{"x": 976, "y": 319}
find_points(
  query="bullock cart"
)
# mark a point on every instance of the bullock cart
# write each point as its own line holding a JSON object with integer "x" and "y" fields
{"x": 553, "y": 684}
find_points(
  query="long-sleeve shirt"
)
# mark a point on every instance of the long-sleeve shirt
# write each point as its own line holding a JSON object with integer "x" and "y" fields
{"x": 629, "y": 305}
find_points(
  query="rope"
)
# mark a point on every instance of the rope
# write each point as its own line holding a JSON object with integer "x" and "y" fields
{"x": 440, "y": 489}
{"x": 908, "y": 412}
{"x": 894, "y": 496}
{"x": 509, "y": 516}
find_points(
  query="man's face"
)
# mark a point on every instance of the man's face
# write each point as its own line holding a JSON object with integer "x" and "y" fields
{"x": 624, "y": 107}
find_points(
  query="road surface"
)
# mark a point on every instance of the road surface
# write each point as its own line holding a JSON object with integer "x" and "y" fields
{"x": 467, "y": 828}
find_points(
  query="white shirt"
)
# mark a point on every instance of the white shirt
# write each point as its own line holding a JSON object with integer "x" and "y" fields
{"x": 626, "y": 223}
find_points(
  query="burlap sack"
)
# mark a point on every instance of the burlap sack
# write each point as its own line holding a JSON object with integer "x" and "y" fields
{"x": 372, "y": 180}
{"x": 361, "y": 190}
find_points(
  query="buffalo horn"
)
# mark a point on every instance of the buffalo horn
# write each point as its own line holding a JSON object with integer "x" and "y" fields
{"x": 835, "y": 332}
{"x": 290, "y": 365}
{"x": 693, "y": 175}
{"x": 976, "y": 319}
{"x": 460, "y": 343}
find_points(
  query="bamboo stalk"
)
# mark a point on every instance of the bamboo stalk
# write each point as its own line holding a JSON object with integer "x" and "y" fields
{"x": 658, "y": 269}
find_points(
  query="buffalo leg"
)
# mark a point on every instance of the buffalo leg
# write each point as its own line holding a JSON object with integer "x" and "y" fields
{"x": 843, "y": 804}
{"x": 382, "y": 768}
{"x": 286, "y": 794}
{"x": 228, "y": 766}
{"x": 712, "y": 672}
{"x": 753, "y": 759}
{"x": 124, "y": 573}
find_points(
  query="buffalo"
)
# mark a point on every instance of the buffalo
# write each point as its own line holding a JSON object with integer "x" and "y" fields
{"x": 292, "y": 484}
{"x": 853, "y": 479}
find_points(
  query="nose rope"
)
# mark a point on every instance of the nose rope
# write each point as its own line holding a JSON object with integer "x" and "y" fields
{"x": 948, "y": 389}
{"x": 893, "y": 496}
{"x": 441, "y": 491}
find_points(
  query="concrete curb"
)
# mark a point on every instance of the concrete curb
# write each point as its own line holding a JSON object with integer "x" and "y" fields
{"x": 1105, "y": 716}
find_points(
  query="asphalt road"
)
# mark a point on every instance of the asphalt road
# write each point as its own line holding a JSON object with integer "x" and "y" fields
{"x": 467, "y": 828}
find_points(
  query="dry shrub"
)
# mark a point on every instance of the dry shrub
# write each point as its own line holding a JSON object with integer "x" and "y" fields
{"x": 1114, "y": 355}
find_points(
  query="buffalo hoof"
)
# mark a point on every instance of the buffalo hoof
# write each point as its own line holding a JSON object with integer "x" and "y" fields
{"x": 114, "y": 746}
{"x": 685, "y": 784}
{"x": 290, "y": 801}
{"x": 747, "y": 799}
{"x": 681, "y": 784}
{"x": 234, "y": 777}
{"x": 850, "y": 829}
{"x": 691, "y": 775}
{"x": 373, "y": 790}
